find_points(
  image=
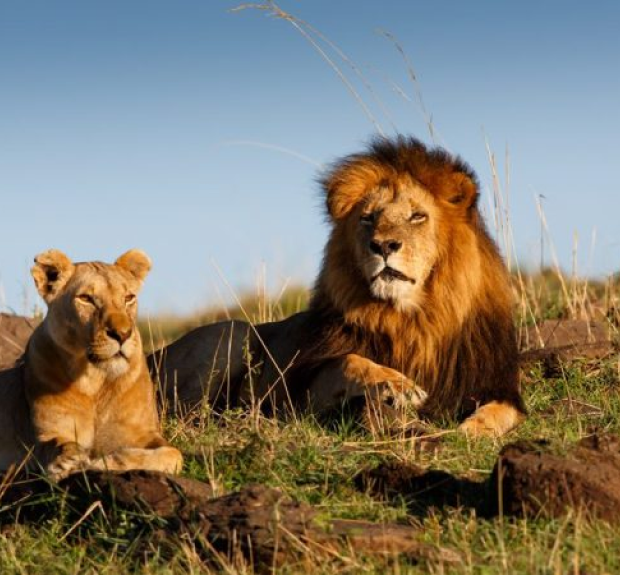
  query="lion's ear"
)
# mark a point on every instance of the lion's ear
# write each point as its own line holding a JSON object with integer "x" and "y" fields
{"x": 461, "y": 190}
{"x": 136, "y": 262}
{"x": 347, "y": 185}
{"x": 51, "y": 272}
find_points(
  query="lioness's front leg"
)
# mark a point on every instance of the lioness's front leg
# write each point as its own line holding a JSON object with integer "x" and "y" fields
{"x": 355, "y": 376}
{"x": 64, "y": 432}
{"x": 64, "y": 459}
{"x": 157, "y": 455}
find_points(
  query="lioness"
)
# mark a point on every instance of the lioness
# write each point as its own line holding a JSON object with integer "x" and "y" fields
{"x": 82, "y": 396}
{"x": 412, "y": 297}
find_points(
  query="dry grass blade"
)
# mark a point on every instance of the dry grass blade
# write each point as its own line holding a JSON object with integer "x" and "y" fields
{"x": 554, "y": 257}
{"x": 280, "y": 371}
{"x": 307, "y": 32}
{"x": 428, "y": 119}
{"x": 275, "y": 148}
{"x": 84, "y": 517}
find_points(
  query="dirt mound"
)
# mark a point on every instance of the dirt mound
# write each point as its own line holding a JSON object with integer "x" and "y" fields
{"x": 532, "y": 480}
{"x": 529, "y": 479}
{"x": 15, "y": 331}
{"x": 565, "y": 340}
{"x": 424, "y": 489}
{"x": 263, "y": 524}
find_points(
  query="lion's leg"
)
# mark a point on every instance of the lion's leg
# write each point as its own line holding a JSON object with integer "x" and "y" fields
{"x": 493, "y": 419}
{"x": 382, "y": 380}
{"x": 158, "y": 456}
{"x": 357, "y": 377}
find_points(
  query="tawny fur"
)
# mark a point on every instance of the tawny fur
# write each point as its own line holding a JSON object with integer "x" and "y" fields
{"x": 411, "y": 282}
{"x": 83, "y": 397}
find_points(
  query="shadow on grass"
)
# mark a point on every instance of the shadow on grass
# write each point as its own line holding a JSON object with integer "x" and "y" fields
{"x": 426, "y": 490}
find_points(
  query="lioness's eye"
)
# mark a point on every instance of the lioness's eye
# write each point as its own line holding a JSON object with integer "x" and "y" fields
{"x": 85, "y": 298}
{"x": 130, "y": 299}
{"x": 418, "y": 217}
{"x": 367, "y": 219}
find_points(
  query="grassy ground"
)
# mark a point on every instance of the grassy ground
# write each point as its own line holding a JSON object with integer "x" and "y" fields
{"x": 317, "y": 465}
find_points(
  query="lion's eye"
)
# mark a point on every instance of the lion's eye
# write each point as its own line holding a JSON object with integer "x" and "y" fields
{"x": 130, "y": 299}
{"x": 418, "y": 218}
{"x": 86, "y": 299}
{"x": 367, "y": 219}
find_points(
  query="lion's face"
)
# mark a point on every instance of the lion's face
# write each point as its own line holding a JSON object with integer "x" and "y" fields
{"x": 92, "y": 307}
{"x": 395, "y": 232}
{"x": 396, "y": 213}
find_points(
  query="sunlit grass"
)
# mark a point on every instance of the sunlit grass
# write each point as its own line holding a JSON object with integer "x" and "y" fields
{"x": 317, "y": 465}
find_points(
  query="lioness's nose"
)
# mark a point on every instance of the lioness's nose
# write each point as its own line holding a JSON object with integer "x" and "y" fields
{"x": 385, "y": 248}
{"x": 120, "y": 335}
{"x": 119, "y": 329}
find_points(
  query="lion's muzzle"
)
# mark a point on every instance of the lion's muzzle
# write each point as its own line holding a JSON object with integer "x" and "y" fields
{"x": 389, "y": 274}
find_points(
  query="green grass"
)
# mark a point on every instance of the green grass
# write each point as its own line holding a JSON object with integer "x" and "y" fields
{"x": 317, "y": 465}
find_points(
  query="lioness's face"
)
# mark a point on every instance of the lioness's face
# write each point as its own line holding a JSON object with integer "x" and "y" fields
{"x": 92, "y": 307}
{"x": 396, "y": 242}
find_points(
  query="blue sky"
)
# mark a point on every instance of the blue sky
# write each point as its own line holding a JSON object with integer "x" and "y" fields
{"x": 160, "y": 125}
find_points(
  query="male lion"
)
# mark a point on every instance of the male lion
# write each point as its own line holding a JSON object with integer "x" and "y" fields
{"x": 412, "y": 296}
{"x": 82, "y": 396}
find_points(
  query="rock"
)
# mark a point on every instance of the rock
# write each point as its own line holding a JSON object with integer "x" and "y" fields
{"x": 530, "y": 480}
{"x": 15, "y": 331}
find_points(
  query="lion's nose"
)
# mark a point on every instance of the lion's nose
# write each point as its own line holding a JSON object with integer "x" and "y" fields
{"x": 385, "y": 248}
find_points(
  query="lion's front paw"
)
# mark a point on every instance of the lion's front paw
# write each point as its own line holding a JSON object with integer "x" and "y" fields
{"x": 67, "y": 463}
{"x": 493, "y": 419}
{"x": 416, "y": 396}
{"x": 402, "y": 392}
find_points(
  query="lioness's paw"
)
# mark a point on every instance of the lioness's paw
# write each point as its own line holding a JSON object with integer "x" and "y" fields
{"x": 166, "y": 459}
{"x": 66, "y": 464}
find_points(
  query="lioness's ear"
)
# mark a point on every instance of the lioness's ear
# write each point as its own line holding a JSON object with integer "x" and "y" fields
{"x": 51, "y": 272}
{"x": 136, "y": 262}
{"x": 348, "y": 183}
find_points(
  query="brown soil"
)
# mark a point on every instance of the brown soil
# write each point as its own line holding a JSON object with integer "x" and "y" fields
{"x": 264, "y": 525}
{"x": 564, "y": 340}
{"x": 529, "y": 479}
{"x": 15, "y": 331}
{"x": 425, "y": 490}
{"x": 568, "y": 407}
{"x": 532, "y": 480}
